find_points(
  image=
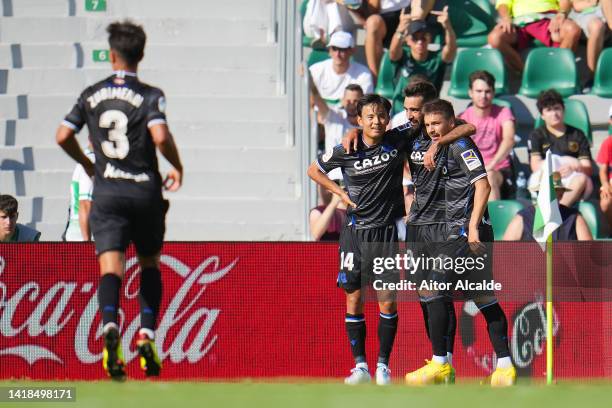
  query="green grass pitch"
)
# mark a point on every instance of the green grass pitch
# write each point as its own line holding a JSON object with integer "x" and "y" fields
{"x": 296, "y": 394}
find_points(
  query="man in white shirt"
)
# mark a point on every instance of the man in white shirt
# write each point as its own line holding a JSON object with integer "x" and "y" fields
{"x": 333, "y": 75}
{"x": 81, "y": 191}
{"x": 338, "y": 120}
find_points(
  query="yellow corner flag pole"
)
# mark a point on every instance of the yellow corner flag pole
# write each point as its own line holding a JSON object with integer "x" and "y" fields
{"x": 549, "y": 311}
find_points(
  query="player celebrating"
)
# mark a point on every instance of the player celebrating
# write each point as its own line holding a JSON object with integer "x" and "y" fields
{"x": 126, "y": 122}
{"x": 450, "y": 210}
{"x": 375, "y": 202}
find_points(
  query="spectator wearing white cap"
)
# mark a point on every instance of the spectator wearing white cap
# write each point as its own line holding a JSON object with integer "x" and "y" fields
{"x": 332, "y": 76}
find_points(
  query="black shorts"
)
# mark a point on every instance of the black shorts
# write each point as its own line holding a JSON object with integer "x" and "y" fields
{"x": 117, "y": 221}
{"x": 360, "y": 252}
{"x": 445, "y": 260}
{"x": 508, "y": 187}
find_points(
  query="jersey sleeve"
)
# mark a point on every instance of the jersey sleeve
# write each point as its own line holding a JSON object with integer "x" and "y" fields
{"x": 156, "y": 108}
{"x": 76, "y": 118}
{"x": 535, "y": 144}
{"x": 331, "y": 159}
{"x": 603, "y": 156}
{"x": 584, "y": 150}
{"x": 469, "y": 158}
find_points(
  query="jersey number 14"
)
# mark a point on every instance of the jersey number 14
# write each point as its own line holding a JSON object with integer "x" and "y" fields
{"x": 118, "y": 145}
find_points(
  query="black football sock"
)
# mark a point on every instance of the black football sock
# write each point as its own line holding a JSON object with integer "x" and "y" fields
{"x": 356, "y": 330}
{"x": 425, "y": 317}
{"x": 150, "y": 297}
{"x": 387, "y": 328}
{"x": 497, "y": 326}
{"x": 452, "y": 327}
{"x": 108, "y": 297}
{"x": 438, "y": 326}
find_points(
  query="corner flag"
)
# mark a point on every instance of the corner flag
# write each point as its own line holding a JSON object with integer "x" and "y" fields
{"x": 547, "y": 215}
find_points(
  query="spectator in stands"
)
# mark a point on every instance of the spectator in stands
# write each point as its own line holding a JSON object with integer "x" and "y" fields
{"x": 333, "y": 75}
{"x": 417, "y": 59}
{"x": 590, "y": 18}
{"x": 337, "y": 120}
{"x": 569, "y": 146}
{"x": 326, "y": 220}
{"x": 325, "y": 17}
{"x": 382, "y": 20}
{"x": 81, "y": 193}
{"x": 521, "y": 21}
{"x": 604, "y": 159}
{"x": 574, "y": 227}
{"x": 494, "y": 133}
{"x": 10, "y": 230}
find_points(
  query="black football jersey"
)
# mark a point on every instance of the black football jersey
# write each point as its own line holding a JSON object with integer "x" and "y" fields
{"x": 373, "y": 177}
{"x": 446, "y": 194}
{"x": 118, "y": 112}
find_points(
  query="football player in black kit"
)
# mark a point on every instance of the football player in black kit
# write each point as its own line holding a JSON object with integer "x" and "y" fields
{"x": 449, "y": 215}
{"x": 127, "y": 122}
{"x": 373, "y": 176}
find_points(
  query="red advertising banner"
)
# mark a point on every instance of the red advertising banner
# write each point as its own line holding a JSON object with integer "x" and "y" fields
{"x": 234, "y": 310}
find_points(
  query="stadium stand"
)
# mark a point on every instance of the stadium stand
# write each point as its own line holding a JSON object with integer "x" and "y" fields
{"x": 472, "y": 21}
{"x": 592, "y": 217}
{"x": 602, "y": 85}
{"x": 501, "y": 213}
{"x": 547, "y": 68}
{"x": 470, "y": 60}
{"x": 218, "y": 64}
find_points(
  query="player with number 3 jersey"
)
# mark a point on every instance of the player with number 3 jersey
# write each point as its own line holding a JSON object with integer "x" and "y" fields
{"x": 126, "y": 120}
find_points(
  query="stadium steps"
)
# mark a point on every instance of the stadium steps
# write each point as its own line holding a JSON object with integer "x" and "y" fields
{"x": 192, "y": 82}
{"x": 251, "y": 58}
{"x": 188, "y": 133}
{"x": 218, "y": 68}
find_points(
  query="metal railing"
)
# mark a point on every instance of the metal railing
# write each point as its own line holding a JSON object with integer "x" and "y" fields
{"x": 286, "y": 31}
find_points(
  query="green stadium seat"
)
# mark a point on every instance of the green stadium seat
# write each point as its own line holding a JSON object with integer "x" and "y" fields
{"x": 386, "y": 77}
{"x": 317, "y": 56}
{"x": 474, "y": 59}
{"x": 472, "y": 21}
{"x": 501, "y": 213}
{"x": 548, "y": 68}
{"x": 576, "y": 115}
{"x": 602, "y": 85}
{"x": 589, "y": 213}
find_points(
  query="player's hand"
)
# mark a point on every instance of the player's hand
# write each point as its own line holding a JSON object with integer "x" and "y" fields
{"x": 429, "y": 160}
{"x": 442, "y": 17}
{"x": 476, "y": 246}
{"x": 89, "y": 168}
{"x": 605, "y": 193}
{"x": 173, "y": 180}
{"x": 350, "y": 140}
{"x": 347, "y": 200}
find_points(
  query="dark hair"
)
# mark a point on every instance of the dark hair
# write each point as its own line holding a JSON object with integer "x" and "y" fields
{"x": 548, "y": 99}
{"x": 373, "y": 99}
{"x": 439, "y": 106}
{"x": 8, "y": 204}
{"x": 354, "y": 87}
{"x": 128, "y": 40}
{"x": 484, "y": 76}
{"x": 425, "y": 89}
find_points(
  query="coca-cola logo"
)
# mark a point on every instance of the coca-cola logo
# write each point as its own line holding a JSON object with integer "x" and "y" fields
{"x": 52, "y": 311}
